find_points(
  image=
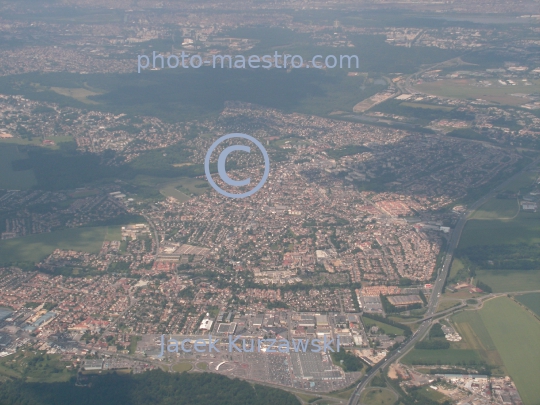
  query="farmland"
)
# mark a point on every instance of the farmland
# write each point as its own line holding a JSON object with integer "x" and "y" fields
{"x": 515, "y": 334}
{"x": 471, "y": 328}
{"x": 519, "y": 232}
{"x": 531, "y": 301}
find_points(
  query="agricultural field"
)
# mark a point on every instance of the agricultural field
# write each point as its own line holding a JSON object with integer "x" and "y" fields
{"x": 33, "y": 248}
{"x": 510, "y": 281}
{"x": 497, "y": 208}
{"x": 487, "y": 228}
{"x": 525, "y": 228}
{"x": 515, "y": 334}
{"x": 531, "y": 301}
{"x": 9, "y": 178}
{"x": 378, "y": 396}
{"x": 470, "y": 326}
{"x": 389, "y": 329}
{"x": 466, "y": 89}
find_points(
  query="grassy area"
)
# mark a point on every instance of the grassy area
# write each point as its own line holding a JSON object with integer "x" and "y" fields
{"x": 525, "y": 228}
{"x": 80, "y": 94}
{"x": 181, "y": 189}
{"x": 343, "y": 394}
{"x": 378, "y": 396}
{"x": 35, "y": 367}
{"x": 37, "y": 141}
{"x": 389, "y": 329}
{"x": 465, "y": 89}
{"x": 515, "y": 334}
{"x": 9, "y": 178}
{"x": 475, "y": 335}
{"x": 133, "y": 344}
{"x": 497, "y": 208}
{"x": 181, "y": 367}
{"x": 457, "y": 265}
{"x": 510, "y": 280}
{"x": 427, "y": 106}
{"x": 202, "y": 366}
{"x": 305, "y": 397}
{"x": 33, "y": 248}
{"x": 442, "y": 357}
{"x": 433, "y": 394}
{"x": 447, "y": 304}
{"x": 531, "y": 301}
{"x": 524, "y": 180}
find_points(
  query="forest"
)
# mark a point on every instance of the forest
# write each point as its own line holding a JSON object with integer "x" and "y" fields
{"x": 152, "y": 387}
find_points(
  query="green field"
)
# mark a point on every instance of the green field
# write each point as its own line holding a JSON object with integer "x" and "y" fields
{"x": 444, "y": 357}
{"x": 465, "y": 89}
{"x": 516, "y": 334}
{"x": 9, "y": 178}
{"x": 510, "y": 280}
{"x": 525, "y": 228}
{"x": 80, "y": 94}
{"x": 33, "y": 248}
{"x": 498, "y": 222}
{"x": 522, "y": 181}
{"x": 457, "y": 265}
{"x": 35, "y": 367}
{"x": 427, "y": 106}
{"x": 378, "y": 396}
{"x": 181, "y": 367}
{"x": 531, "y": 301}
{"x": 447, "y": 304}
{"x": 475, "y": 335}
{"x": 389, "y": 329}
{"x": 497, "y": 208}
{"x": 37, "y": 141}
{"x": 179, "y": 188}
{"x": 430, "y": 393}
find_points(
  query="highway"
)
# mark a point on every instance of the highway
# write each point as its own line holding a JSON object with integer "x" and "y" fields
{"x": 437, "y": 289}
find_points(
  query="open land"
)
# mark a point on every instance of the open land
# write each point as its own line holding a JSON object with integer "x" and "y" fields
{"x": 515, "y": 333}
{"x": 9, "y": 178}
{"x": 378, "y": 396}
{"x": 471, "y": 328}
{"x": 497, "y": 208}
{"x": 34, "y": 248}
{"x": 465, "y": 89}
{"x": 531, "y": 301}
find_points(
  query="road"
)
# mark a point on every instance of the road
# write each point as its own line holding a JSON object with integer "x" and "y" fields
{"x": 437, "y": 289}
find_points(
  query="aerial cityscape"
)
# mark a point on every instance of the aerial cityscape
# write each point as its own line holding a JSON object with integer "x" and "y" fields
{"x": 355, "y": 222}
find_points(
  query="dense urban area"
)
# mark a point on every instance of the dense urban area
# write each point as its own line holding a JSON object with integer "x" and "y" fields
{"x": 397, "y": 228}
